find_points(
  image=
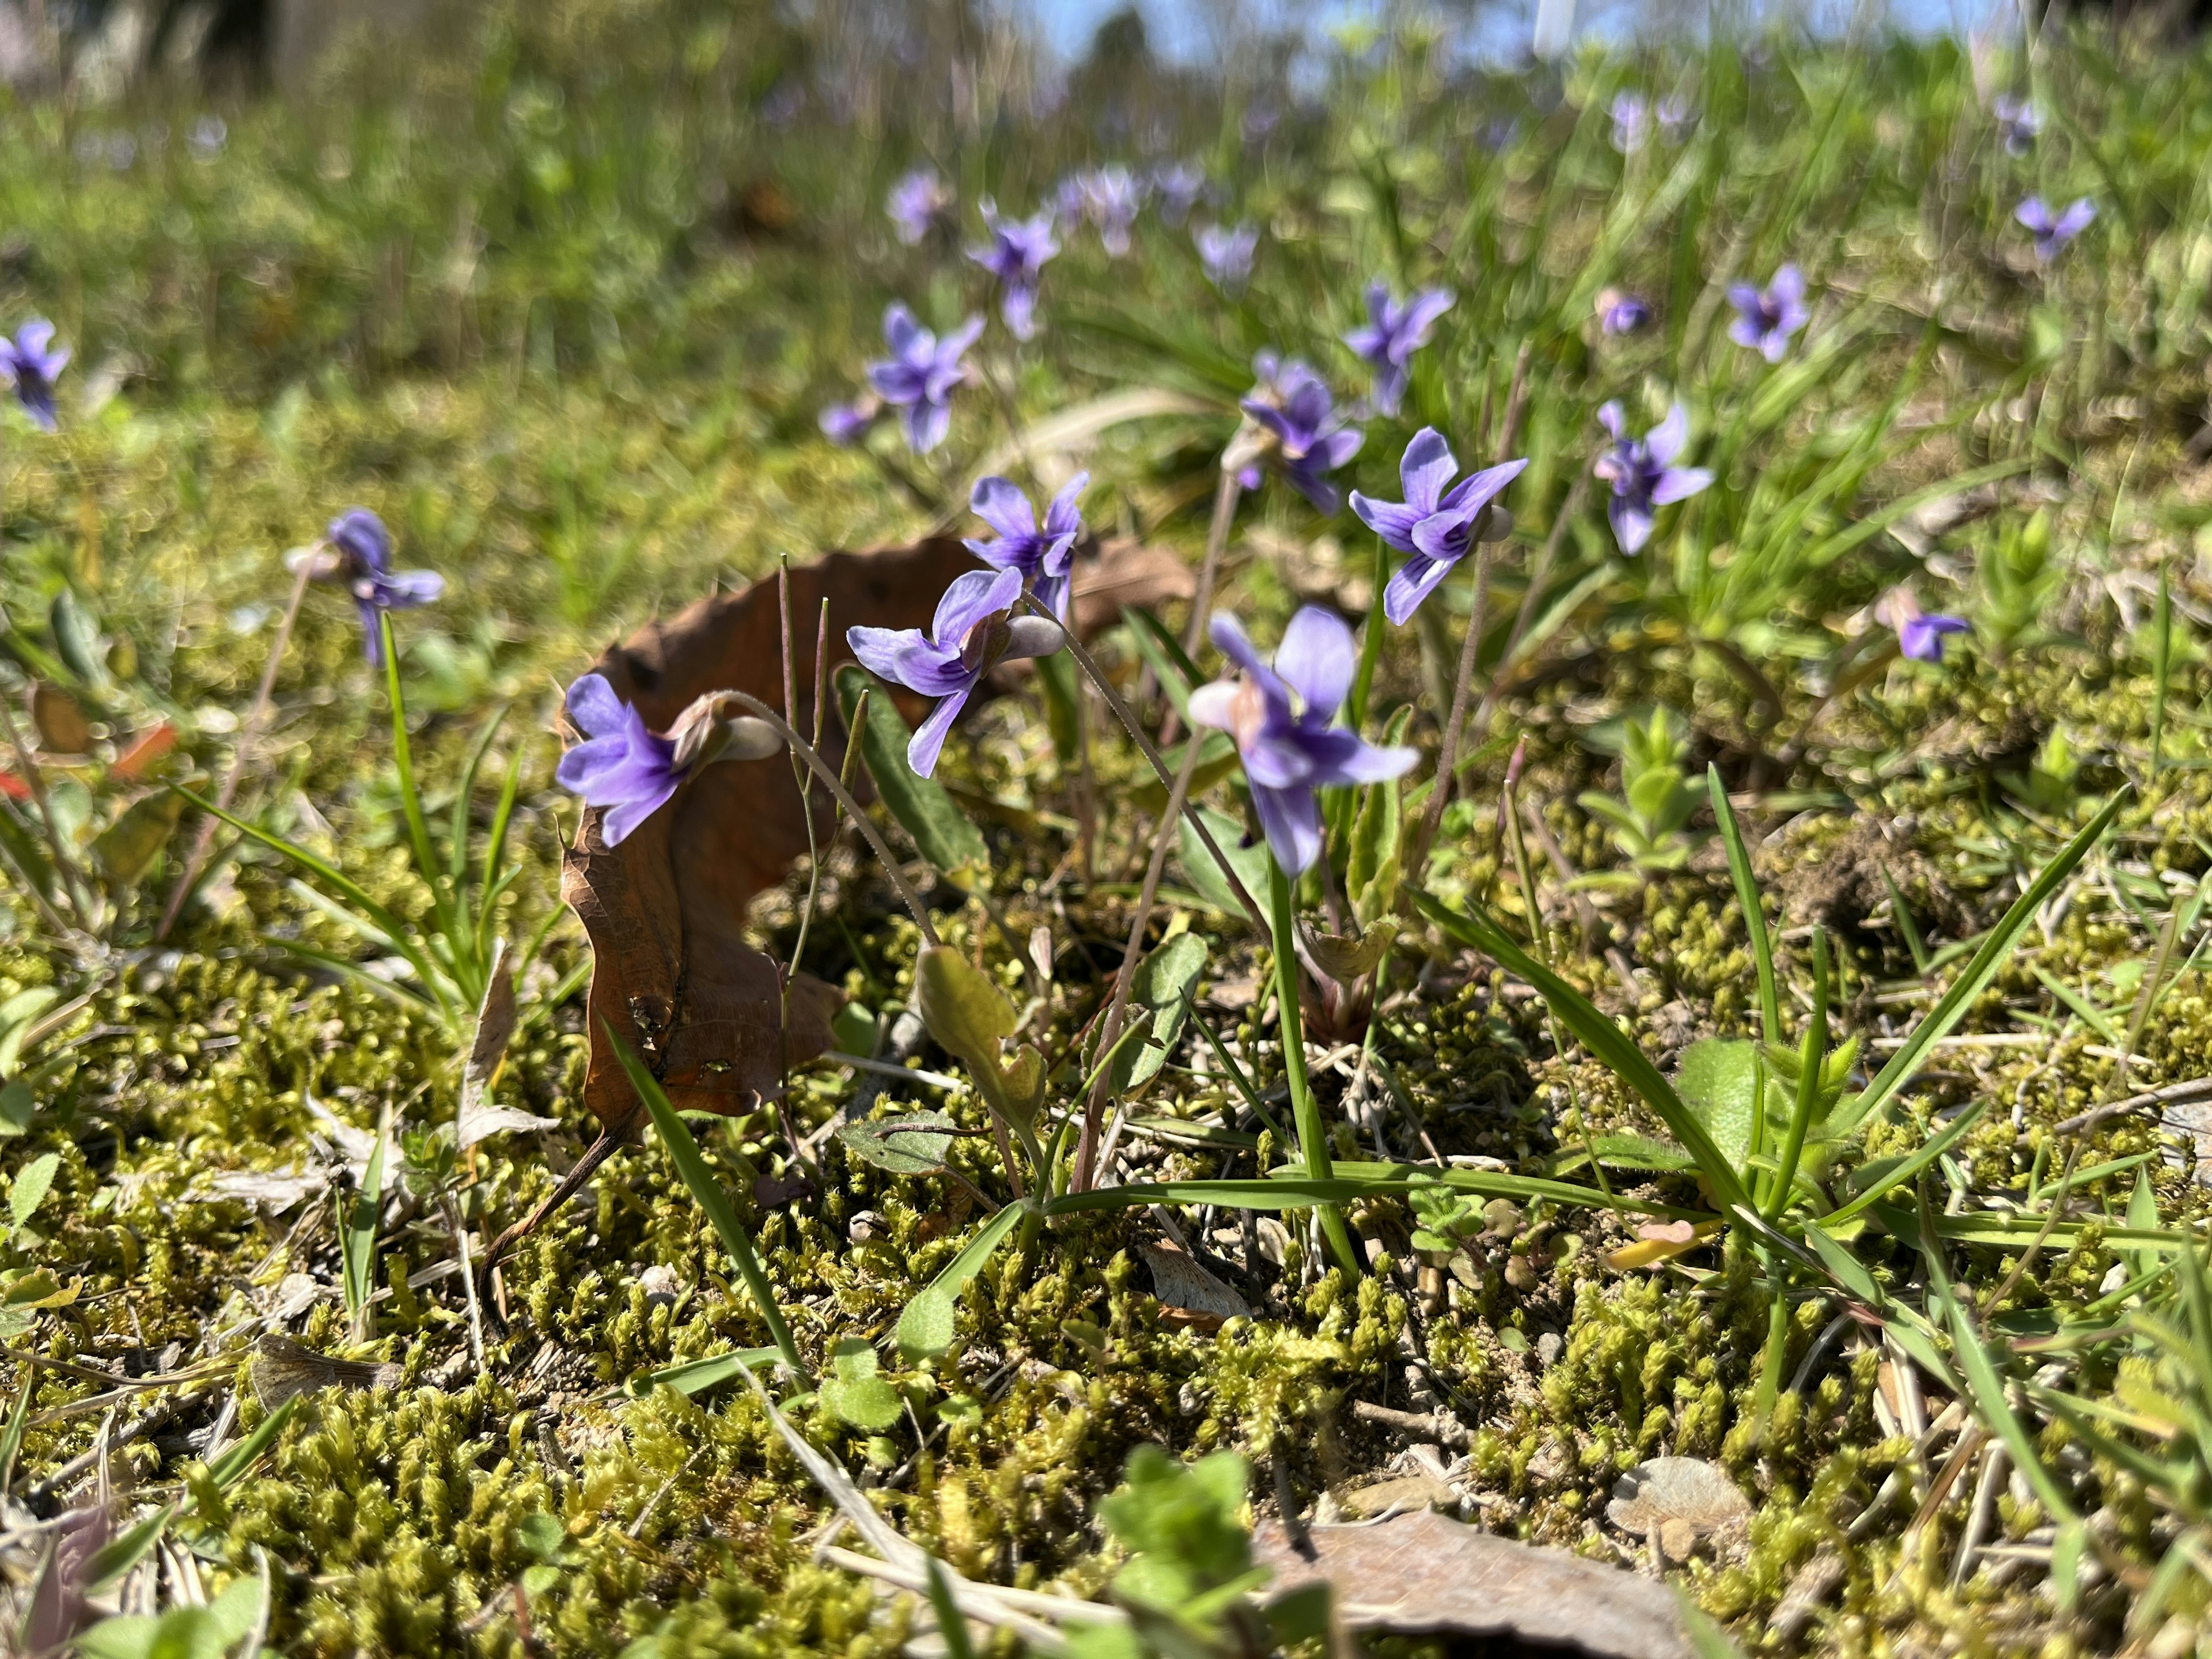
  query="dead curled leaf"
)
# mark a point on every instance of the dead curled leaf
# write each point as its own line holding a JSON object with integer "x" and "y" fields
{"x": 1189, "y": 1295}
{"x": 1424, "y": 1574}
{"x": 1683, "y": 1498}
{"x": 283, "y": 1368}
{"x": 672, "y": 975}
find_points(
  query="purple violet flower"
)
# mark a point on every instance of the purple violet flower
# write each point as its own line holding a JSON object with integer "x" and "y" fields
{"x": 1280, "y": 718}
{"x": 1766, "y": 319}
{"x": 1393, "y": 333}
{"x": 2051, "y": 234}
{"x": 1678, "y": 118}
{"x": 1642, "y": 474}
{"x": 919, "y": 203}
{"x": 1433, "y": 527}
{"x": 920, "y": 376}
{"x": 973, "y": 632}
{"x": 1043, "y": 556}
{"x": 629, "y": 771}
{"x": 1226, "y": 252}
{"x": 2019, "y": 123}
{"x": 1620, "y": 312}
{"x": 1919, "y": 634}
{"x": 1297, "y": 424}
{"x": 1015, "y": 255}
{"x": 1631, "y": 122}
{"x": 1111, "y": 197}
{"x": 1180, "y": 185}
{"x": 846, "y": 424}
{"x": 360, "y": 555}
{"x": 30, "y": 367}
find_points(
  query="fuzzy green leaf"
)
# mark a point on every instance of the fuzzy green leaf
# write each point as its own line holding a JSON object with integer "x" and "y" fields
{"x": 941, "y": 831}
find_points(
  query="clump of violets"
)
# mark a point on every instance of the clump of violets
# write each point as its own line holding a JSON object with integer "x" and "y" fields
{"x": 1281, "y": 717}
{"x": 2019, "y": 123}
{"x": 974, "y": 631}
{"x": 919, "y": 203}
{"x": 357, "y": 551}
{"x": 1620, "y": 312}
{"x": 1920, "y": 635}
{"x": 1631, "y": 122}
{"x": 1015, "y": 255}
{"x": 1179, "y": 187}
{"x": 1111, "y": 197}
{"x": 1042, "y": 557}
{"x": 629, "y": 772}
{"x": 1226, "y": 252}
{"x": 1434, "y": 527}
{"x": 1393, "y": 333}
{"x": 918, "y": 380}
{"x": 2052, "y": 235}
{"x": 1292, "y": 420}
{"x": 1642, "y": 473}
{"x": 29, "y": 365}
{"x": 1766, "y": 318}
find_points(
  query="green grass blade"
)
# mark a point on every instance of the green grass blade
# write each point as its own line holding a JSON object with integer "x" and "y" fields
{"x": 1747, "y": 902}
{"x": 691, "y": 1163}
{"x": 1604, "y": 1039}
{"x": 1937, "y": 1145}
{"x": 410, "y": 797}
{"x": 1976, "y": 976}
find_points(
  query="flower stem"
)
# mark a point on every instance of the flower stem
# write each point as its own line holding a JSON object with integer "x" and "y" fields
{"x": 1217, "y": 540}
{"x": 807, "y": 752}
{"x": 1094, "y": 1111}
{"x": 1306, "y": 1114}
{"x": 247, "y": 735}
{"x": 1447, "y": 757}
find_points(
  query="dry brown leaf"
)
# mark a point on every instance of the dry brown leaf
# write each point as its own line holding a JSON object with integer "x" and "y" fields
{"x": 1424, "y": 1574}
{"x": 1397, "y": 1495}
{"x": 282, "y": 1368}
{"x": 1683, "y": 1498}
{"x": 1189, "y": 1294}
{"x": 63, "y": 728}
{"x": 672, "y": 973}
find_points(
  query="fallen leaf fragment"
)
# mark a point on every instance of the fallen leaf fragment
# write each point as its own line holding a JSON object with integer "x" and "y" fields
{"x": 1661, "y": 1241}
{"x": 1423, "y": 1574}
{"x": 63, "y": 728}
{"x": 1683, "y": 1498}
{"x": 1187, "y": 1293}
{"x": 283, "y": 1368}
{"x": 1398, "y": 1495}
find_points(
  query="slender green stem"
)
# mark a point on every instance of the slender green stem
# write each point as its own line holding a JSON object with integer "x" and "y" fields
{"x": 410, "y": 799}
{"x": 1370, "y": 645}
{"x": 1313, "y": 1137}
{"x": 1810, "y": 1055}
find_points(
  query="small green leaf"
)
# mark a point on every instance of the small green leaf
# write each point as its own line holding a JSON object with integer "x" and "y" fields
{"x": 17, "y": 1107}
{"x": 32, "y": 1184}
{"x": 1162, "y": 988}
{"x": 925, "y": 1329}
{"x": 542, "y": 1535}
{"x": 856, "y": 1393}
{"x": 912, "y": 1145}
{"x": 1250, "y": 863}
{"x": 1718, "y": 1080}
{"x": 941, "y": 832}
{"x": 127, "y": 848}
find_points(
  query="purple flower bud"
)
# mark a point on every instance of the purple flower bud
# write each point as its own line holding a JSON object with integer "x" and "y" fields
{"x": 2019, "y": 123}
{"x": 975, "y": 630}
{"x": 1280, "y": 717}
{"x": 922, "y": 374}
{"x": 1434, "y": 526}
{"x": 2051, "y": 234}
{"x": 1392, "y": 334}
{"x": 1642, "y": 474}
{"x": 1111, "y": 197}
{"x": 1766, "y": 319}
{"x": 1294, "y": 423}
{"x": 845, "y": 423}
{"x": 1042, "y": 557}
{"x": 30, "y": 366}
{"x": 363, "y": 547}
{"x": 1621, "y": 313}
{"x": 1015, "y": 255}
{"x": 919, "y": 203}
{"x": 1919, "y": 634}
{"x": 1226, "y": 254}
{"x": 1179, "y": 186}
{"x": 1631, "y": 122}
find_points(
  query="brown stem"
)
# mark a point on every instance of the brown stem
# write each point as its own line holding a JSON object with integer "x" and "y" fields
{"x": 1447, "y": 757}
{"x": 1217, "y": 539}
{"x": 616, "y": 1135}
{"x": 247, "y": 734}
{"x": 1088, "y": 1155}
